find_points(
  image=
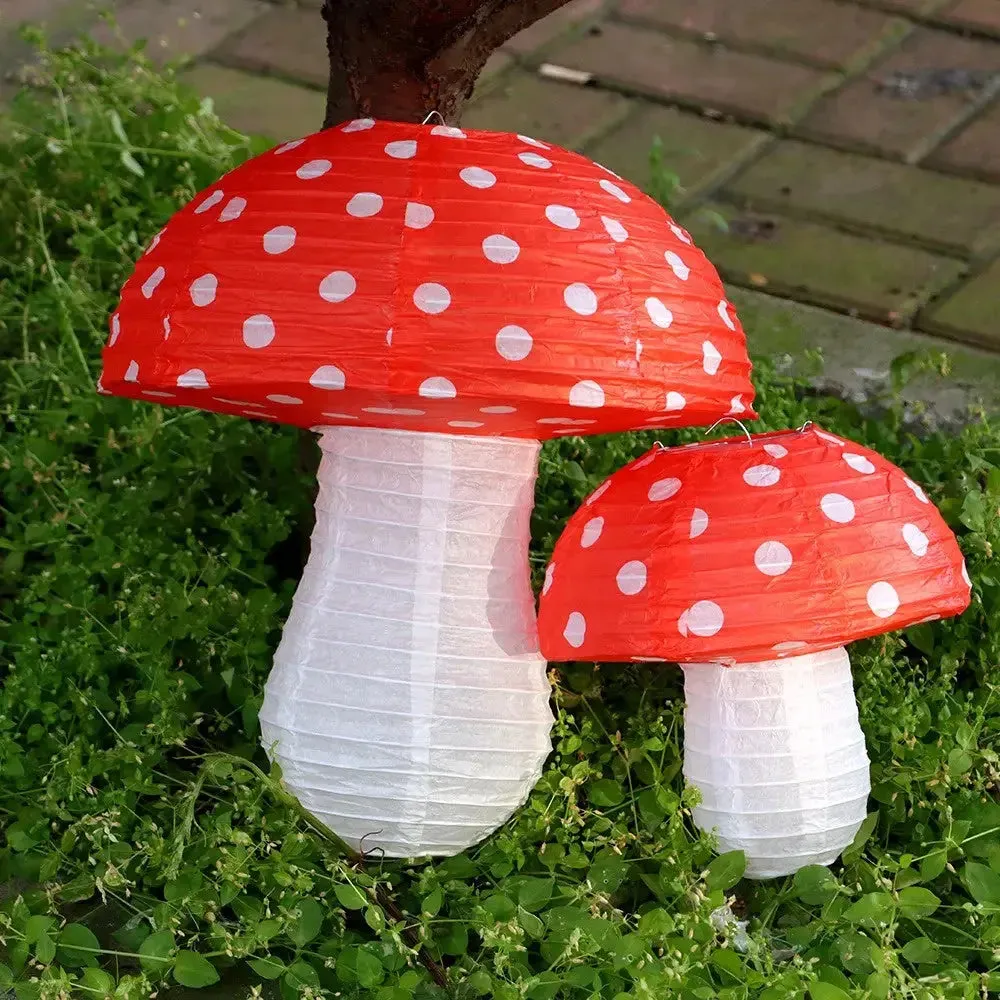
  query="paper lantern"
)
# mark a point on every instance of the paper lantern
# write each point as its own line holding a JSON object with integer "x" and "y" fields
{"x": 752, "y": 562}
{"x": 435, "y": 302}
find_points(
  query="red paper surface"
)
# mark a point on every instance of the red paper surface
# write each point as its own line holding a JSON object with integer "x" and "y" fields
{"x": 429, "y": 278}
{"x": 740, "y": 552}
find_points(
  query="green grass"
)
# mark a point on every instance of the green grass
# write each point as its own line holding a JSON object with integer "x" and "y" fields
{"x": 147, "y": 558}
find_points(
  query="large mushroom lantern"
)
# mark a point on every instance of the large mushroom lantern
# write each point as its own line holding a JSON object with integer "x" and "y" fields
{"x": 752, "y": 562}
{"x": 435, "y": 303}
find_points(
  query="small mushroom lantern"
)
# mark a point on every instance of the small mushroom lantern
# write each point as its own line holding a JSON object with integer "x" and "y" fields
{"x": 435, "y": 303}
{"x": 752, "y": 562}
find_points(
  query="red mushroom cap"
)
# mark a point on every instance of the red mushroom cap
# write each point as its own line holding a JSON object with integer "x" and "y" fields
{"x": 429, "y": 278}
{"x": 740, "y": 551}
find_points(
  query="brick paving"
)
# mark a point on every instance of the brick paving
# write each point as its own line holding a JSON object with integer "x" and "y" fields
{"x": 840, "y": 153}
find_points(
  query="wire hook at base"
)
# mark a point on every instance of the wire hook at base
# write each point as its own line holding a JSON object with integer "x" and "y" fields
{"x": 723, "y": 420}
{"x": 431, "y": 115}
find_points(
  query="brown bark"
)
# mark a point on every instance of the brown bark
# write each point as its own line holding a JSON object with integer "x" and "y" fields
{"x": 402, "y": 59}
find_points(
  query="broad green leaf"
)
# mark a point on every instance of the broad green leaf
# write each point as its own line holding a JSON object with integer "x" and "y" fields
{"x": 155, "y": 952}
{"x": 815, "y": 884}
{"x": 308, "y": 922}
{"x": 350, "y": 896}
{"x": 534, "y": 893}
{"x": 726, "y": 870}
{"x": 867, "y": 828}
{"x": 194, "y": 970}
{"x": 872, "y": 909}
{"x": 78, "y": 946}
{"x": 98, "y": 981}
{"x": 982, "y": 882}
{"x": 267, "y": 968}
{"x": 921, "y": 950}
{"x": 431, "y": 904}
{"x": 605, "y": 792}
{"x": 301, "y": 974}
{"x": 933, "y": 865}
{"x": 917, "y": 902}
{"x": 827, "y": 991}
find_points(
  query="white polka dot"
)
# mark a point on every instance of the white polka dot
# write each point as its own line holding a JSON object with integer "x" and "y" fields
{"x": 575, "y": 630}
{"x": 477, "y": 177}
{"x": 154, "y": 242}
{"x": 631, "y": 578}
{"x": 258, "y": 330}
{"x": 279, "y": 239}
{"x": 437, "y": 387}
{"x": 648, "y": 459}
{"x": 465, "y": 423}
{"x": 513, "y": 343}
{"x": 235, "y": 402}
{"x": 500, "y": 249}
{"x": 615, "y": 229}
{"x": 233, "y": 210}
{"x": 790, "y": 646}
{"x": 327, "y": 377}
{"x": 580, "y": 298}
{"x": 149, "y": 285}
{"x": 449, "y": 131}
{"x": 828, "y": 437}
{"x": 699, "y": 523}
{"x": 723, "y": 310}
{"x": 166, "y": 327}
{"x": 116, "y": 329}
{"x": 210, "y": 202}
{"x": 280, "y": 397}
{"x": 761, "y": 475}
{"x": 681, "y": 234}
{"x": 917, "y": 491}
{"x": 418, "y": 216}
{"x": 291, "y": 144}
{"x": 859, "y": 463}
{"x": 965, "y": 574}
{"x": 388, "y": 336}
{"x": 341, "y": 416}
{"x": 664, "y": 489}
{"x": 402, "y": 149}
{"x": 883, "y": 599}
{"x": 916, "y": 539}
{"x": 599, "y": 492}
{"x": 837, "y": 507}
{"x": 393, "y": 411}
{"x": 614, "y": 189}
{"x": 534, "y": 160}
{"x": 498, "y": 409}
{"x": 364, "y": 204}
{"x": 158, "y": 395}
{"x": 660, "y": 315}
{"x": 772, "y": 558}
{"x": 586, "y": 393}
{"x": 591, "y": 532}
{"x": 359, "y": 125}
{"x": 705, "y": 619}
{"x": 550, "y": 571}
{"x": 193, "y": 378}
{"x": 132, "y": 372}
{"x": 710, "y": 358}
{"x": 313, "y": 169}
{"x": 203, "y": 289}
{"x": 680, "y": 269}
{"x": 531, "y": 142}
{"x": 736, "y": 406}
{"x": 562, "y": 216}
{"x": 431, "y": 297}
{"x": 675, "y": 401}
{"x": 569, "y": 421}
{"x": 776, "y": 450}
{"x": 337, "y": 286}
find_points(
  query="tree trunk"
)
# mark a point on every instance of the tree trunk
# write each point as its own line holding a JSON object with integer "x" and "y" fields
{"x": 403, "y": 59}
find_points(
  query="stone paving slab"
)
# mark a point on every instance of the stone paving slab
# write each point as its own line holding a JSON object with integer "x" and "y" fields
{"x": 818, "y": 264}
{"x": 871, "y": 114}
{"x": 975, "y": 150}
{"x": 259, "y": 105}
{"x": 693, "y": 74}
{"x": 533, "y": 40}
{"x": 700, "y": 151}
{"x": 973, "y": 313}
{"x": 978, "y": 15}
{"x": 565, "y": 114}
{"x": 820, "y": 32}
{"x": 944, "y": 213}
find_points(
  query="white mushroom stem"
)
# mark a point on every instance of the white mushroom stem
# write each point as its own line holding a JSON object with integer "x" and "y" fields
{"x": 776, "y": 750}
{"x": 408, "y": 706}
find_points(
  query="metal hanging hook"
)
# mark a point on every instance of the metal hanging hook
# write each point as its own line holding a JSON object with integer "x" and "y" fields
{"x": 808, "y": 423}
{"x": 723, "y": 420}
{"x": 431, "y": 115}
